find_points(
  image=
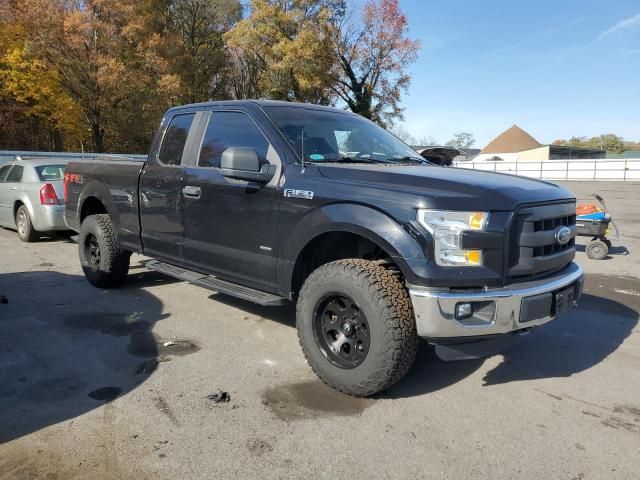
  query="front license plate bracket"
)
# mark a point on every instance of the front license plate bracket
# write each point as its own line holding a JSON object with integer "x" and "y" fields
{"x": 565, "y": 300}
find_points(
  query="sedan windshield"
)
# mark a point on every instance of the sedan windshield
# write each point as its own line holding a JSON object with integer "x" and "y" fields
{"x": 326, "y": 136}
{"x": 50, "y": 173}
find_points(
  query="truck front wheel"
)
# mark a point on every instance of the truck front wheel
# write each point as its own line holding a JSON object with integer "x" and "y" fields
{"x": 103, "y": 262}
{"x": 356, "y": 326}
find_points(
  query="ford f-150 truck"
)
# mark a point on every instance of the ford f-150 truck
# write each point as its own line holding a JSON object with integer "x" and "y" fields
{"x": 274, "y": 202}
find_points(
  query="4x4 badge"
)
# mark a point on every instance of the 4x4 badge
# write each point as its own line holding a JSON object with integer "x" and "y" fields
{"x": 291, "y": 193}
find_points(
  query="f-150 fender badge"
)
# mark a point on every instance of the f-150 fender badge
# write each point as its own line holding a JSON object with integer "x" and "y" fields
{"x": 305, "y": 194}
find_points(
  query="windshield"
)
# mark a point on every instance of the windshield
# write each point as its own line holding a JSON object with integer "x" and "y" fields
{"x": 329, "y": 136}
{"x": 50, "y": 173}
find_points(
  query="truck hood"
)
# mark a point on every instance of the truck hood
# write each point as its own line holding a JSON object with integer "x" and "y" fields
{"x": 451, "y": 188}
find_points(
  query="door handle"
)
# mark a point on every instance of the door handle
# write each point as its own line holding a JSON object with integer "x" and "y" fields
{"x": 191, "y": 191}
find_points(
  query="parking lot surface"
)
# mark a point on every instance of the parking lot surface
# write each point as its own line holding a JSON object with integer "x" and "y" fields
{"x": 114, "y": 384}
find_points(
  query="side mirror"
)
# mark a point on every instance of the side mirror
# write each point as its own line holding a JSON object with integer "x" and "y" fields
{"x": 243, "y": 163}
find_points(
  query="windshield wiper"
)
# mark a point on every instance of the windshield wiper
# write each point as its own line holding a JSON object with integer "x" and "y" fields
{"x": 421, "y": 161}
{"x": 353, "y": 160}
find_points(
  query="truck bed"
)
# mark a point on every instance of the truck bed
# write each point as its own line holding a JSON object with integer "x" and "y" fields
{"x": 113, "y": 180}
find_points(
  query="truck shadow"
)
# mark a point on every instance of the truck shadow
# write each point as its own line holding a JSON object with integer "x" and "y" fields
{"x": 607, "y": 315}
{"x": 66, "y": 347}
{"x": 562, "y": 348}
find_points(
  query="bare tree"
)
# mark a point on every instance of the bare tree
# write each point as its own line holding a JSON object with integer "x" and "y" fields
{"x": 373, "y": 53}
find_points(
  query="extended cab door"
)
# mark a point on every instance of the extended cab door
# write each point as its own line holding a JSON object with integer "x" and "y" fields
{"x": 161, "y": 202}
{"x": 231, "y": 225}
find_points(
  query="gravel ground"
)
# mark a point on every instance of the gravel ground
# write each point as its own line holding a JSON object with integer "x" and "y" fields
{"x": 563, "y": 404}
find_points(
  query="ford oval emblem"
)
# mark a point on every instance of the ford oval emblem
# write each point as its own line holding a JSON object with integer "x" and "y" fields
{"x": 563, "y": 235}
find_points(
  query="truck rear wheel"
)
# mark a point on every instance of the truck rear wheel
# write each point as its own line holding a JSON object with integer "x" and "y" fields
{"x": 356, "y": 326}
{"x": 103, "y": 262}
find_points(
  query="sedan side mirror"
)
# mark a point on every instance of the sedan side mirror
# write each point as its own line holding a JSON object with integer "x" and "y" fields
{"x": 243, "y": 163}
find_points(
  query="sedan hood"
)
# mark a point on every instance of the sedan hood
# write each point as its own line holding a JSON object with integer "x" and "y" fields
{"x": 452, "y": 188}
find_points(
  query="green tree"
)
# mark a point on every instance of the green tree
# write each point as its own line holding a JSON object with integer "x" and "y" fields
{"x": 608, "y": 141}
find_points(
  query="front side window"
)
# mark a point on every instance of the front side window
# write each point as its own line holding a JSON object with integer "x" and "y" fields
{"x": 15, "y": 175}
{"x": 332, "y": 136}
{"x": 175, "y": 139}
{"x": 4, "y": 170}
{"x": 230, "y": 129}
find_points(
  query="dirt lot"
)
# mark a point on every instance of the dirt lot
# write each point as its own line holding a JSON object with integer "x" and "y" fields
{"x": 564, "y": 404}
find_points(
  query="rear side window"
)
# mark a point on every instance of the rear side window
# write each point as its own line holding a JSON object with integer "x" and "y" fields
{"x": 230, "y": 129}
{"x": 51, "y": 173}
{"x": 15, "y": 175}
{"x": 175, "y": 139}
{"x": 3, "y": 172}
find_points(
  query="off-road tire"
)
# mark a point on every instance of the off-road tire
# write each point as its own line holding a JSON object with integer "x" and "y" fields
{"x": 26, "y": 232}
{"x": 597, "y": 250}
{"x": 384, "y": 300}
{"x": 112, "y": 266}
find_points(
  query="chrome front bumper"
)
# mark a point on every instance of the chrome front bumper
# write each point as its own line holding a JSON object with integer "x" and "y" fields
{"x": 501, "y": 308}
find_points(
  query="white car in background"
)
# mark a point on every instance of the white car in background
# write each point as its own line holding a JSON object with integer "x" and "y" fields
{"x": 31, "y": 196}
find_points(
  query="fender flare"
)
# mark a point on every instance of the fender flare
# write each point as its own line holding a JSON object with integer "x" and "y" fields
{"x": 358, "y": 219}
{"x": 97, "y": 190}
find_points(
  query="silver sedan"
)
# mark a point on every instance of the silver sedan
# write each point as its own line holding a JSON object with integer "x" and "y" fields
{"x": 31, "y": 196}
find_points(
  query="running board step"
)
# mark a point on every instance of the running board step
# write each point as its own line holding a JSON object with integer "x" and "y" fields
{"x": 216, "y": 284}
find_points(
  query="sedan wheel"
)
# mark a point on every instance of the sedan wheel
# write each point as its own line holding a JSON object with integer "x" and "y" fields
{"x": 26, "y": 232}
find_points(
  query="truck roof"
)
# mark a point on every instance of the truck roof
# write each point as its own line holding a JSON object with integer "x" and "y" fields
{"x": 263, "y": 103}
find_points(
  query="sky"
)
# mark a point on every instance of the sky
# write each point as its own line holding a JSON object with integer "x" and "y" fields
{"x": 556, "y": 68}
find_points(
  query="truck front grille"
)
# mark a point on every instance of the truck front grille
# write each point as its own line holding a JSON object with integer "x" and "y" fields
{"x": 533, "y": 247}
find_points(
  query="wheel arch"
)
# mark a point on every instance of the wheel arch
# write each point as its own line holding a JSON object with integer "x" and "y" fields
{"x": 340, "y": 231}
{"x": 96, "y": 199}
{"x": 24, "y": 200}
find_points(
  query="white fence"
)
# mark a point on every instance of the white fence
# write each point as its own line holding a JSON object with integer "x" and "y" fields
{"x": 602, "y": 169}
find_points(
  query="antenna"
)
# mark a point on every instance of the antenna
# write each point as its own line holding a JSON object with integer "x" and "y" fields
{"x": 302, "y": 148}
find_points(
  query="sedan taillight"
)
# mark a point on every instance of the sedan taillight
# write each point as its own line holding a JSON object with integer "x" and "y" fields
{"x": 48, "y": 195}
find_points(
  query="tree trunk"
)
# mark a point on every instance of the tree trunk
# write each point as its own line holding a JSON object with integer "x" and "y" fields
{"x": 98, "y": 137}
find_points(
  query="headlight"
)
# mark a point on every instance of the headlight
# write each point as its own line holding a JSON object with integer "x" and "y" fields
{"x": 447, "y": 228}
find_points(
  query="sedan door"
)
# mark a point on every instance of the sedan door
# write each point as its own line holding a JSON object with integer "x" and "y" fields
{"x": 7, "y": 197}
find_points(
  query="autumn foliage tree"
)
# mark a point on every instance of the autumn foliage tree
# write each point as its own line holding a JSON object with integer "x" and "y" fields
{"x": 98, "y": 74}
{"x": 284, "y": 48}
{"x": 201, "y": 58}
{"x": 32, "y": 101}
{"x": 373, "y": 53}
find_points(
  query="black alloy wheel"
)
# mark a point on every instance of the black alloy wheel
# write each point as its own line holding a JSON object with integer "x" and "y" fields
{"x": 341, "y": 331}
{"x": 92, "y": 250}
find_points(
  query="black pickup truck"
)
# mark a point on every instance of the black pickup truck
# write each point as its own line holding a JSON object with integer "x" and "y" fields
{"x": 274, "y": 202}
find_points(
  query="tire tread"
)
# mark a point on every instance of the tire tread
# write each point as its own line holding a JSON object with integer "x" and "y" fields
{"x": 115, "y": 261}
{"x": 396, "y": 312}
